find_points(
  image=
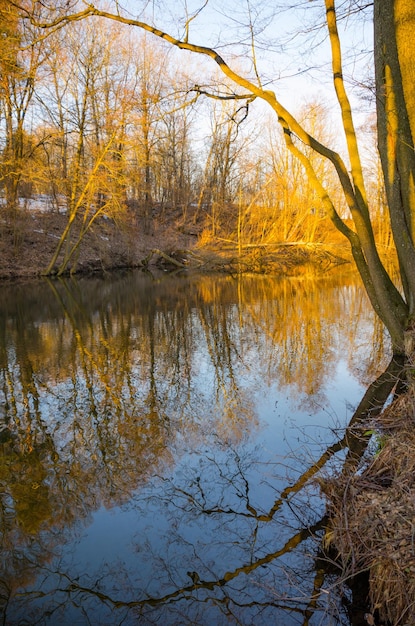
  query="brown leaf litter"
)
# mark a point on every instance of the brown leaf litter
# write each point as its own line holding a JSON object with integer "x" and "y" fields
{"x": 373, "y": 516}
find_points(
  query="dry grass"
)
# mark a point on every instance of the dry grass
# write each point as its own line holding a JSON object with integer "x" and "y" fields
{"x": 373, "y": 517}
{"x": 287, "y": 259}
{"x": 26, "y": 248}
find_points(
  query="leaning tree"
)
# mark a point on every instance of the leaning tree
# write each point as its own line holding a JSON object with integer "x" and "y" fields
{"x": 394, "y": 58}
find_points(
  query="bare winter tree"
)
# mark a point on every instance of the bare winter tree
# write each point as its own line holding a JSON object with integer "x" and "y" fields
{"x": 394, "y": 62}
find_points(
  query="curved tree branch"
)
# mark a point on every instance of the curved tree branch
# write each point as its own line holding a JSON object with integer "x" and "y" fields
{"x": 385, "y": 297}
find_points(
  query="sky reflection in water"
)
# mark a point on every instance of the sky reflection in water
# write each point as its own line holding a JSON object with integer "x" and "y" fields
{"x": 150, "y": 428}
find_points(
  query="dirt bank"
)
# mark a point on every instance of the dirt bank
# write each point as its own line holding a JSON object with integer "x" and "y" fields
{"x": 27, "y": 246}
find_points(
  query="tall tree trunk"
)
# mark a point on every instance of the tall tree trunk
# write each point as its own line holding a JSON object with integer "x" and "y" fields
{"x": 394, "y": 23}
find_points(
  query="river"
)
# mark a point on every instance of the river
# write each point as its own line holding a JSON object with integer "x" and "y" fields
{"x": 158, "y": 439}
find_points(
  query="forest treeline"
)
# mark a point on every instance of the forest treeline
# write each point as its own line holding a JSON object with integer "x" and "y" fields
{"x": 97, "y": 120}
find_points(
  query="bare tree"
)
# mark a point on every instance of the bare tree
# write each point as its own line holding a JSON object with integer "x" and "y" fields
{"x": 21, "y": 55}
{"x": 394, "y": 59}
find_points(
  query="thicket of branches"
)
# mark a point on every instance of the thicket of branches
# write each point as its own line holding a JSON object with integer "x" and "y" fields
{"x": 98, "y": 120}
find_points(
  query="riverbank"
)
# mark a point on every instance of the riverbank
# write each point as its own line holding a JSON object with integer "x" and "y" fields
{"x": 372, "y": 513}
{"x": 28, "y": 244}
{"x": 372, "y": 510}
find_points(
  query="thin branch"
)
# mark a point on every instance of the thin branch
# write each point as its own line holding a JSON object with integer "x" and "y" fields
{"x": 217, "y": 96}
{"x": 190, "y": 19}
{"x": 253, "y": 48}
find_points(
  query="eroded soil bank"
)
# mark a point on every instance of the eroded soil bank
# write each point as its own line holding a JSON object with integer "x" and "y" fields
{"x": 28, "y": 245}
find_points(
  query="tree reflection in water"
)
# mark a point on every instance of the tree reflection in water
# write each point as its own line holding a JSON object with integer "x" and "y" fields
{"x": 144, "y": 477}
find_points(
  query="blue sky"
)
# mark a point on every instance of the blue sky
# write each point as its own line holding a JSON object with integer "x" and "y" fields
{"x": 293, "y": 55}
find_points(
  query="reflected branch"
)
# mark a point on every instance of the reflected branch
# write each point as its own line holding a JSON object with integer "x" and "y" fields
{"x": 125, "y": 383}
{"x": 291, "y": 544}
{"x": 354, "y": 439}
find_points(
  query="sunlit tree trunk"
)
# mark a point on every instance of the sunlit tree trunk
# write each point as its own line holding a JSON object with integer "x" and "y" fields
{"x": 150, "y": 79}
{"x": 395, "y": 87}
{"x": 395, "y": 62}
{"x": 19, "y": 65}
{"x": 175, "y": 157}
{"x": 220, "y": 163}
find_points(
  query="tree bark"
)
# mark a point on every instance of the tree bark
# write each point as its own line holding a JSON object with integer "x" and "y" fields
{"x": 394, "y": 69}
{"x": 394, "y": 21}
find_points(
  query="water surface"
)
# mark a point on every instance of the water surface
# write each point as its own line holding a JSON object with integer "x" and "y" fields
{"x": 156, "y": 435}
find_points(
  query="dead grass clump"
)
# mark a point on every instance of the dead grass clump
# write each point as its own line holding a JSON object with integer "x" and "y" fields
{"x": 373, "y": 516}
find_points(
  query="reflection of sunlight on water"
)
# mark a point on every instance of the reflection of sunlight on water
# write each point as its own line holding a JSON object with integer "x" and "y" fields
{"x": 175, "y": 429}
